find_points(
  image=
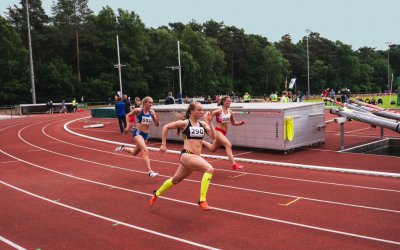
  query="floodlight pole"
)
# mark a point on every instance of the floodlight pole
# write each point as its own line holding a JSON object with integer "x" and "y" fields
{"x": 388, "y": 72}
{"x": 180, "y": 75}
{"x": 30, "y": 55}
{"x": 119, "y": 66}
{"x": 308, "y": 65}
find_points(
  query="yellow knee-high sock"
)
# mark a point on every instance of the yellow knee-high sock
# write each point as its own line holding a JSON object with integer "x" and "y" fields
{"x": 165, "y": 186}
{"x": 205, "y": 182}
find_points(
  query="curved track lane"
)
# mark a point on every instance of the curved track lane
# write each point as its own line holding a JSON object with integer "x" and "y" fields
{"x": 50, "y": 176}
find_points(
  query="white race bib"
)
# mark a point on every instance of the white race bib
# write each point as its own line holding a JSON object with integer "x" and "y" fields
{"x": 196, "y": 132}
{"x": 146, "y": 120}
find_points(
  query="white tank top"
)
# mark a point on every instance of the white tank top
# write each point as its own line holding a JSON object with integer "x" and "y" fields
{"x": 224, "y": 118}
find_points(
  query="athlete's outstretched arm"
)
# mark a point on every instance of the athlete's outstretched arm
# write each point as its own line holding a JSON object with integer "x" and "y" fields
{"x": 172, "y": 125}
{"x": 234, "y": 122}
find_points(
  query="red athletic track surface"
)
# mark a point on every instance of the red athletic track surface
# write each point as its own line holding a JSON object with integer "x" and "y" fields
{"x": 58, "y": 190}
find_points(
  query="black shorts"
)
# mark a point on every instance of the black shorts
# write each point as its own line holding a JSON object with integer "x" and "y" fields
{"x": 184, "y": 151}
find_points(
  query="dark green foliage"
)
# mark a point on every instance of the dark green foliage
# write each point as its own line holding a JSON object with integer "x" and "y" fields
{"x": 215, "y": 58}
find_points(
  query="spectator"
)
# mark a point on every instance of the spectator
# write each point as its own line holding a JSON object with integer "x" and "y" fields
{"x": 367, "y": 100}
{"x": 169, "y": 99}
{"x": 74, "y": 105}
{"x": 300, "y": 95}
{"x": 137, "y": 103}
{"x": 51, "y": 108}
{"x": 290, "y": 96}
{"x": 120, "y": 110}
{"x": 127, "y": 103}
{"x": 380, "y": 101}
{"x": 63, "y": 107}
{"x": 373, "y": 101}
{"x": 48, "y": 107}
{"x": 325, "y": 94}
{"x": 247, "y": 97}
{"x": 284, "y": 98}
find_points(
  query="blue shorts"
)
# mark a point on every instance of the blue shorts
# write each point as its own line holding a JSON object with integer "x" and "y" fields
{"x": 143, "y": 134}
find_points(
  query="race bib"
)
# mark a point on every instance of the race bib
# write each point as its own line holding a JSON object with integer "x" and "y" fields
{"x": 196, "y": 132}
{"x": 225, "y": 119}
{"x": 146, "y": 120}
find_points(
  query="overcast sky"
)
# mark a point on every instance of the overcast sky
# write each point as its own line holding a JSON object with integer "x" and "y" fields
{"x": 358, "y": 23}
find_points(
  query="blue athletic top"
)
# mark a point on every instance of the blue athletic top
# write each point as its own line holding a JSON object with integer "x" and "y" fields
{"x": 191, "y": 132}
{"x": 143, "y": 118}
{"x": 120, "y": 108}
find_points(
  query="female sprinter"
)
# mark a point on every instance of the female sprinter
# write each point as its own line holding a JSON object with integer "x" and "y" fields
{"x": 224, "y": 115}
{"x": 141, "y": 133}
{"x": 193, "y": 131}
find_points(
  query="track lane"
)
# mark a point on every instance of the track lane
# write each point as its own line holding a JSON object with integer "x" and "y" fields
{"x": 197, "y": 187}
{"x": 246, "y": 225}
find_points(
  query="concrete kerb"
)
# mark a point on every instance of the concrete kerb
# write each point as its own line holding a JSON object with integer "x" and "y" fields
{"x": 219, "y": 157}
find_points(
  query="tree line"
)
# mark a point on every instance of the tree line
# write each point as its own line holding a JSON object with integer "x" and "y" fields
{"x": 75, "y": 50}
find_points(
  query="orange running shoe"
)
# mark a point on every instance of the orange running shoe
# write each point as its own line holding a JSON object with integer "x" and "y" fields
{"x": 153, "y": 198}
{"x": 203, "y": 205}
{"x": 237, "y": 166}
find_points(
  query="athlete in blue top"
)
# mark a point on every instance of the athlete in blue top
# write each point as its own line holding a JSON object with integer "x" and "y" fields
{"x": 145, "y": 116}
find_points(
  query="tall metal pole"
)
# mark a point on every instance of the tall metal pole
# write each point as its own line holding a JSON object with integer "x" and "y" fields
{"x": 388, "y": 72}
{"x": 180, "y": 76}
{"x": 119, "y": 68}
{"x": 30, "y": 55}
{"x": 308, "y": 66}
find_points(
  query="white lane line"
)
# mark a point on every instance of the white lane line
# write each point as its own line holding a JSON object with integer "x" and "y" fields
{"x": 248, "y": 152}
{"x": 224, "y": 170}
{"x": 109, "y": 219}
{"x": 281, "y": 164}
{"x": 4, "y": 162}
{"x": 215, "y": 208}
{"x": 220, "y": 185}
{"x": 97, "y": 130}
{"x": 214, "y": 184}
{"x": 34, "y": 150}
{"x": 242, "y": 189}
{"x": 10, "y": 243}
{"x": 356, "y": 130}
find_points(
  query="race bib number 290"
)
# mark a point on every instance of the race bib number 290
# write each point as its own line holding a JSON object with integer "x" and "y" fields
{"x": 196, "y": 132}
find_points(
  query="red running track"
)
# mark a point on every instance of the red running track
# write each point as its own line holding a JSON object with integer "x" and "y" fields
{"x": 58, "y": 190}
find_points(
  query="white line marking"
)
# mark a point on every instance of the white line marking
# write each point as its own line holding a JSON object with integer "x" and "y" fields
{"x": 282, "y": 164}
{"x": 34, "y": 150}
{"x": 10, "y": 243}
{"x": 8, "y": 162}
{"x": 226, "y": 186}
{"x": 291, "y": 202}
{"x": 109, "y": 219}
{"x": 238, "y": 188}
{"x": 356, "y": 130}
{"x": 219, "y": 209}
{"x": 97, "y": 130}
{"x": 224, "y": 170}
{"x": 236, "y": 176}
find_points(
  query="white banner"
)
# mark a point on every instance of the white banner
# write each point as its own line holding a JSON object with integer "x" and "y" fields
{"x": 292, "y": 83}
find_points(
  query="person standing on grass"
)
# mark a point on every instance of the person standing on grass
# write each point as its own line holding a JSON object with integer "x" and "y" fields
{"x": 193, "y": 131}
{"x": 145, "y": 116}
{"x": 224, "y": 116}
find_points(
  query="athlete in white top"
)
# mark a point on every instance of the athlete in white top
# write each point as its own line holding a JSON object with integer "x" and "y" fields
{"x": 224, "y": 116}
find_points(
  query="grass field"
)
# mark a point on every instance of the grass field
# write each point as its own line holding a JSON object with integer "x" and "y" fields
{"x": 385, "y": 99}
